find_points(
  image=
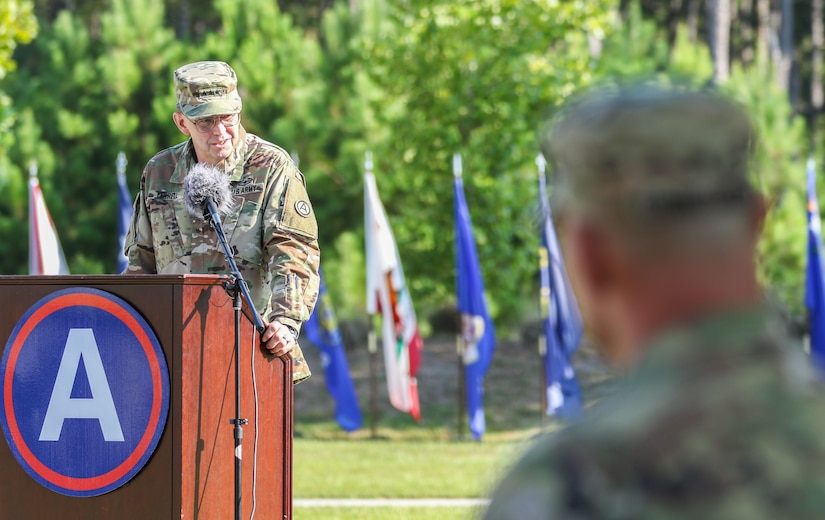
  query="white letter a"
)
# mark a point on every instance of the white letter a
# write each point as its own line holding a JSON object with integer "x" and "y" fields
{"x": 101, "y": 406}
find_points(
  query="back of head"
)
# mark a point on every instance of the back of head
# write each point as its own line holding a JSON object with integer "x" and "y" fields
{"x": 654, "y": 163}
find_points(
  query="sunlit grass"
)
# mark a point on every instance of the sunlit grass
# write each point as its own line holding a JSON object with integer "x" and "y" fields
{"x": 385, "y": 513}
{"x": 361, "y": 468}
{"x": 405, "y": 459}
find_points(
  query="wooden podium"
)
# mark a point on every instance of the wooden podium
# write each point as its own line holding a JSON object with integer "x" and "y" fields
{"x": 191, "y": 472}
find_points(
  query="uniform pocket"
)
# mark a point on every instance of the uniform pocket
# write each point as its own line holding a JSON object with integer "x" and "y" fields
{"x": 243, "y": 229}
{"x": 167, "y": 236}
{"x": 294, "y": 294}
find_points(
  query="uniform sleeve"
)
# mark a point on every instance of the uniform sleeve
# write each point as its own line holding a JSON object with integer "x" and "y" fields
{"x": 138, "y": 246}
{"x": 527, "y": 496}
{"x": 291, "y": 250}
{"x": 538, "y": 487}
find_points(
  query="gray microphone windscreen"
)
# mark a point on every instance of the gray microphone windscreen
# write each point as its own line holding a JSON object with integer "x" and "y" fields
{"x": 202, "y": 183}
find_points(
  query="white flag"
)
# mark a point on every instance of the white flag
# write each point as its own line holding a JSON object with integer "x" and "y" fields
{"x": 45, "y": 253}
{"x": 387, "y": 292}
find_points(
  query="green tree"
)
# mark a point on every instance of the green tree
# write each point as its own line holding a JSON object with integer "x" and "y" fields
{"x": 83, "y": 97}
{"x": 93, "y": 86}
{"x": 341, "y": 127}
{"x": 476, "y": 78}
{"x": 779, "y": 170}
{"x": 414, "y": 82}
{"x": 17, "y": 25}
{"x": 638, "y": 51}
{"x": 310, "y": 93}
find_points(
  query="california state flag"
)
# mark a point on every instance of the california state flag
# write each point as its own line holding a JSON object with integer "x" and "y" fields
{"x": 45, "y": 253}
{"x": 387, "y": 293}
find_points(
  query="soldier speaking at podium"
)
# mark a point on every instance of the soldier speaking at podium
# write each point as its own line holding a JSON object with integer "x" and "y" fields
{"x": 270, "y": 224}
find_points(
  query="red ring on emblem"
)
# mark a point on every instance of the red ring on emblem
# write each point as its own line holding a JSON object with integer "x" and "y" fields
{"x": 79, "y": 299}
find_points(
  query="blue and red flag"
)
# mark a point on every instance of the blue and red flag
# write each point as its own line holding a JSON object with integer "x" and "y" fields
{"x": 322, "y": 330}
{"x": 561, "y": 319}
{"x": 477, "y": 329}
{"x": 814, "y": 281}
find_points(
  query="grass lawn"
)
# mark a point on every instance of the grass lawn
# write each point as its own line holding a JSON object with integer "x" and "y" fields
{"x": 385, "y": 513}
{"x": 404, "y": 459}
{"x": 363, "y": 468}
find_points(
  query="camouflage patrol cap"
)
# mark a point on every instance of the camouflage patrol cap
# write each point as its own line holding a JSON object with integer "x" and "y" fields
{"x": 207, "y": 88}
{"x": 647, "y": 153}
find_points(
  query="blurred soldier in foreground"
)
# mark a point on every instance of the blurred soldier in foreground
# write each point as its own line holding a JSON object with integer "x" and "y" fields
{"x": 717, "y": 417}
{"x": 271, "y": 228}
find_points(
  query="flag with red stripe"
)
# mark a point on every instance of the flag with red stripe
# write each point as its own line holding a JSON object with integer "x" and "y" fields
{"x": 45, "y": 253}
{"x": 387, "y": 293}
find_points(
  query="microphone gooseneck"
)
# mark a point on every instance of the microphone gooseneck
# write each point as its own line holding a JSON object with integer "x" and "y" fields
{"x": 206, "y": 192}
{"x": 207, "y": 196}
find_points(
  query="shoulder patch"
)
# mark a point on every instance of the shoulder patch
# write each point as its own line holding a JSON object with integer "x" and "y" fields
{"x": 296, "y": 213}
{"x": 303, "y": 208}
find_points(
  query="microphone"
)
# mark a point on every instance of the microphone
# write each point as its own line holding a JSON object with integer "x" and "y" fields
{"x": 206, "y": 191}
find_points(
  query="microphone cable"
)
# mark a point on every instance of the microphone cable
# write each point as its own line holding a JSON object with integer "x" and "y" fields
{"x": 255, "y": 335}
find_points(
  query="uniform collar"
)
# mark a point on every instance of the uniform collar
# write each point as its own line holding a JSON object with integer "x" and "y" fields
{"x": 716, "y": 336}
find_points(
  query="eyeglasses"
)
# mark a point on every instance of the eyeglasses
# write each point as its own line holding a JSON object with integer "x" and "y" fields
{"x": 207, "y": 124}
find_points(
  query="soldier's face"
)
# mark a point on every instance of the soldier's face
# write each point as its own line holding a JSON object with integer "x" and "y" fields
{"x": 211, "y": 147}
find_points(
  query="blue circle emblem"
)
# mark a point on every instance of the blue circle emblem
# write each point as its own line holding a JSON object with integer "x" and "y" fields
{"x": 85, "y": 392}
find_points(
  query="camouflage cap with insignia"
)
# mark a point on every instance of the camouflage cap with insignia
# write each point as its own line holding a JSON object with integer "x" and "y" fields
{"x": 649, "y": 153}
{"x": 207, "y": 88}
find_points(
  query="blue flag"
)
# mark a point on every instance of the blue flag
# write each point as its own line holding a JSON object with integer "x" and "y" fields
{"x": 561, "y": 319}
{"x": 124, "y": 213}
{"x": 477, "y": 329}
{"x": 814, "y": 282}
{"x": 322, "y": 330}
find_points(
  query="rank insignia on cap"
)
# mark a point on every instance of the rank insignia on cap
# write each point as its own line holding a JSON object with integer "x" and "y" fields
{"x": 303, "y": 208}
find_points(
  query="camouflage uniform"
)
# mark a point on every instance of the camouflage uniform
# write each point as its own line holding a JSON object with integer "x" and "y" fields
{"x": 721, "y": 421}
{"x": 271, "y": 230}
{"x": 722, "y": 417}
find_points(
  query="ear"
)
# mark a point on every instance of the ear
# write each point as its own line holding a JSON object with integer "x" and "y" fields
{"x": 758, "y": 214}
{"x": 180, "y": 122}
{"x": 593, "y": 258}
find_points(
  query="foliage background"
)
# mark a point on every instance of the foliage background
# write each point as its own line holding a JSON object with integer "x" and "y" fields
{"x": 412, "y": 81}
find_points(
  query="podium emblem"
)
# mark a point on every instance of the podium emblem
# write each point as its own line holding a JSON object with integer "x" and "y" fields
{"x": 85, "y": 392}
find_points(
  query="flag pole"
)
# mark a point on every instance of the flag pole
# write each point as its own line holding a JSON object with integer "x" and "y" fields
{"x": 372, "y": 346}
{"x": 373, "y": 350}
{"x": 541, "y": 165}
{"x": 124, "y": 211}
{"x": 35, "y": 259}
{"x": 460, "y": 392}
{"x": 121, "y": 164}
{"x": 543, "y": 378}
{"x": 459, "y": 341}
{"x": 806, "y": 339}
